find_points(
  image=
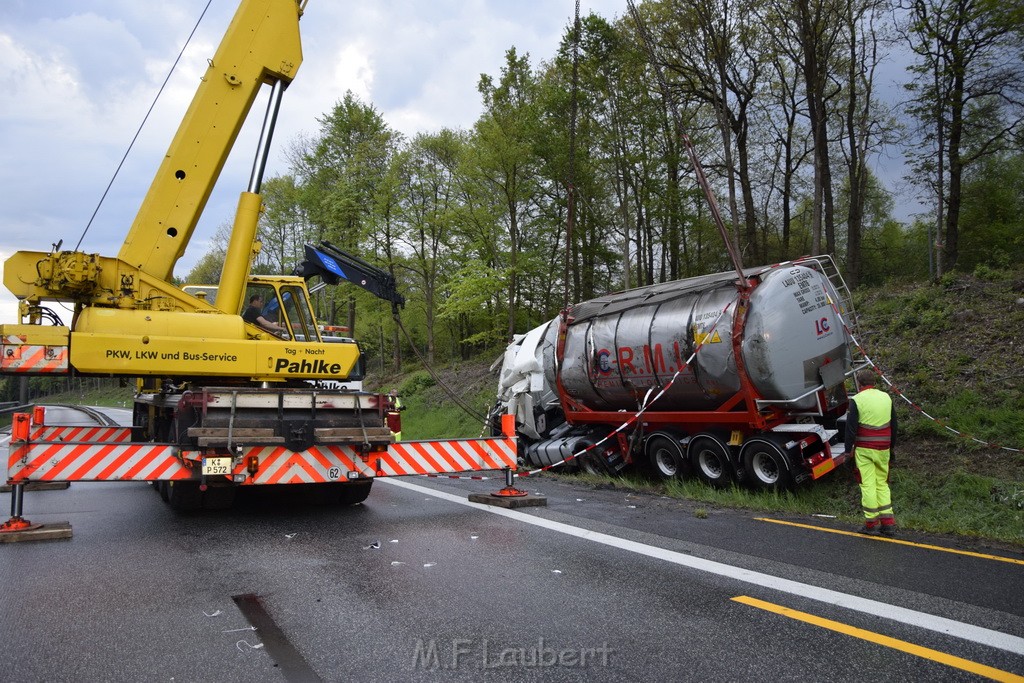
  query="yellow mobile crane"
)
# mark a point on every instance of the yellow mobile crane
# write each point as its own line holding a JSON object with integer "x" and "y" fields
{"x": 220, "y": 401}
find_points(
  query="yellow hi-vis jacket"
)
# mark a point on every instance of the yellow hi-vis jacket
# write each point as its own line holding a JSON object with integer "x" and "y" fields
{"x": 871, "y": 421}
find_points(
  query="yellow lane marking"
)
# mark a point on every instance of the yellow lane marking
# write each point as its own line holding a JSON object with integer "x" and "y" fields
{"x": 940, "y": 548}
{"x": 894, "y": 643}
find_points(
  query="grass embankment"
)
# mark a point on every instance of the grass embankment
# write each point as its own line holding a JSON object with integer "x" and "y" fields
{"x": 429, "y": 410}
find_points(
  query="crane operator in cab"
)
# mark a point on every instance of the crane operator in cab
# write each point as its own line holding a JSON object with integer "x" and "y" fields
{"x": 254, "y": 315}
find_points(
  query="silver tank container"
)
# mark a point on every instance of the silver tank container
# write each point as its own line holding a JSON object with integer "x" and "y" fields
{"x": 620, "y": 345}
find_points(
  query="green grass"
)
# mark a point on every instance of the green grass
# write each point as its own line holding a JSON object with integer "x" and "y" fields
{"x": 92, "y": 393}
{"x": 963, "y": 503}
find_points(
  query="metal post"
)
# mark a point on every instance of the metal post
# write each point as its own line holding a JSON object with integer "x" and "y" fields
{"x": 17, "y": 500}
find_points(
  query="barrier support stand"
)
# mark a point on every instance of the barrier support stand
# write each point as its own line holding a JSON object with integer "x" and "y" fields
{"x": 17, "y": 528}
{"x": 510, "y": 496}
{"x": 510, "y": 491}
{"x": 16, "y": 522}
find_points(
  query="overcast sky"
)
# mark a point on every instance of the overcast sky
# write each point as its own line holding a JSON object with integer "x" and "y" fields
{"x": 79, "y": 76}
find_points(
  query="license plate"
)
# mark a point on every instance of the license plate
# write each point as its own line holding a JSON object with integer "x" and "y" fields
{"x": 216, "y": 466}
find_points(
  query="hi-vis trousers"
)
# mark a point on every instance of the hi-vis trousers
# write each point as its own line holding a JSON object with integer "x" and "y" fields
{"x": 875, "y": 497}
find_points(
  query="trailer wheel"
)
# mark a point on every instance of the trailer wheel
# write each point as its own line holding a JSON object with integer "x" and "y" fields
{"x": 710, "y": 460}
{"x": 766, "y": 464}
{"x": 666, "y": 457}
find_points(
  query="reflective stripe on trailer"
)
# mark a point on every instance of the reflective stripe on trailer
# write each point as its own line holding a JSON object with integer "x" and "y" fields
{"x": 60, "y": 461}
{"x": 51, "y": 453}
{"x": 278, "y": 465}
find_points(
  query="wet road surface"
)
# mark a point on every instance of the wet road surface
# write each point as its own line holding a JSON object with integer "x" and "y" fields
{"x": 419, "y": 584}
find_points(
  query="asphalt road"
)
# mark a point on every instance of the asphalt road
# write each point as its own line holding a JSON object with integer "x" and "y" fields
{"x": 419, "y": 584}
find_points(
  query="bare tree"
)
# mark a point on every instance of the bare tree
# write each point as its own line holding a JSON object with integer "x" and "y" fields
{"x": 715, "y": 53}
{"x": 968, "y": 95}
{"x": 864, "y": 128}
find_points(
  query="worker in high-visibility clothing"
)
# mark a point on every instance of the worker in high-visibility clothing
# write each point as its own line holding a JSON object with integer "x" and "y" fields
{"x": 394, "y": 417}
{"x": 871, "y": 436}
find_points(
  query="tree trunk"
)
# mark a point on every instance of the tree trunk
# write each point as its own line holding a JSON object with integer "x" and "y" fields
{"x": 513, "y": 275}
{"x": 951, "y": 250}
{"x": 749, "y": 212}
{"x": 815, "y": 82}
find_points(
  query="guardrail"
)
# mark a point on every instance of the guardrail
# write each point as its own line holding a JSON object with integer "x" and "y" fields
{"x": 13, "y": 407}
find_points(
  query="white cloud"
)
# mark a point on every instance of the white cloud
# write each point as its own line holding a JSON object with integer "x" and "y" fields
{"x": 353, "y": 71}
{"x": 80, "y": 74}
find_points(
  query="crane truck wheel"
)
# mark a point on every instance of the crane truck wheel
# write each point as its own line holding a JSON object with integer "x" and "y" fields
{"x": 184, "y": 495}
{"x": 666, "y": 457}
{"x": 353, "y": 492}
{"x": 709, "y": 458}
{"x": 766, "y": 465}
{"x": 218, "y": 497}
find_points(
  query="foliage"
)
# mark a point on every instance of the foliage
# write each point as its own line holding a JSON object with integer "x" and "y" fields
{"x": 575, "y": 181}
{"x": 992, "y": 213}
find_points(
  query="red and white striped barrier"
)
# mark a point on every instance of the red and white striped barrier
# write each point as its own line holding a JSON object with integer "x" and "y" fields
{"x": 40, "y": 452}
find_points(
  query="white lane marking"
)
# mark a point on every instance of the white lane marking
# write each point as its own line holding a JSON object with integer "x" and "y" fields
{"x": 957, "y": 629}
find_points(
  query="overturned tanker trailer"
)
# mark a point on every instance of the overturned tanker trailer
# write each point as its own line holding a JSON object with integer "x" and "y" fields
{"x": 612, "y": 381}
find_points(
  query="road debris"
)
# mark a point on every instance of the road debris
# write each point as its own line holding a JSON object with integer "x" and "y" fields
{"x": 240, "y": 643}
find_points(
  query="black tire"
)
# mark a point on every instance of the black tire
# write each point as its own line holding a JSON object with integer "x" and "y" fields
{"x": 766, "y": 465}
{"x": 164, "y": 488}
{"x": 353, "y": 492}
{"x": 184, "y": 495}
{"x": 665, "y": 456}
{"x": 709, "y": 459}
{"x": 592, "y": 462}
{"x": 218, "y": 497}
